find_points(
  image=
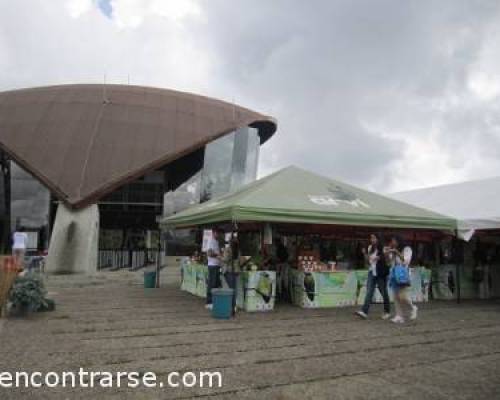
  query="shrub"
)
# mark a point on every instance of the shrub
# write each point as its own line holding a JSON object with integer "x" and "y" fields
{"x": 28, "y": 292}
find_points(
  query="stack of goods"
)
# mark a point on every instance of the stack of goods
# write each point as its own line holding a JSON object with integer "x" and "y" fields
{"x": 326, "y": 267}
{"x": 9, "y": 269}
{"x": 309, "y": 261}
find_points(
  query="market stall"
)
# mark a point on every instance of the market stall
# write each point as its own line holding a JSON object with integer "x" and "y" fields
{"x": 469, "y": 268}
{"x": 256, "y": 290}
{"x": 348, "y": 288}
{"x": 322, "y": 225}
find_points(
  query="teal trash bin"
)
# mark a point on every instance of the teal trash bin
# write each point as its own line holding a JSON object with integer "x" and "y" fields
{"x": 150, "y": 280}
{"x": 222, "y": 303}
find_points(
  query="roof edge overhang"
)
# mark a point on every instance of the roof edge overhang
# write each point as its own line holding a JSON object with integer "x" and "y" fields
{"x": 154, "y": 165}
{"x": 266, "y": 126}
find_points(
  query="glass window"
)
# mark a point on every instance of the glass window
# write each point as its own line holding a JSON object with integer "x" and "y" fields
{"x": 3, "y": 208}
{"x": 245, "y": 157}
{"x": 29, "y": 200}
{"x": 253, "y": 150}
{"x": 216, "y": 176}
{"x": 230, "y": 162}
{"x": 184, "y": 196}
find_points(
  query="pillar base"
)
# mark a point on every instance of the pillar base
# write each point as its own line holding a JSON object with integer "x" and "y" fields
{"x": 74, "y": 242}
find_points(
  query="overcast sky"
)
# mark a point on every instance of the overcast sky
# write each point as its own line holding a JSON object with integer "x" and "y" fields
{"x": 388, "y": 95}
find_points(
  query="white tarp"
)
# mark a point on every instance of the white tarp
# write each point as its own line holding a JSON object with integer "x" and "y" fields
{"x": 476, "y": 204}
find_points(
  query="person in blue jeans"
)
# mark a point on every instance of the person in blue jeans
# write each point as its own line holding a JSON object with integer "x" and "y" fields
{"x": 214, "y": 257}
{"x": 377, "y": 277}
{"x": 231, "y": 267}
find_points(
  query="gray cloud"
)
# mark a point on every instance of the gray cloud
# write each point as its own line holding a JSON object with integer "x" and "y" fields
{"x": 328, "y": 69}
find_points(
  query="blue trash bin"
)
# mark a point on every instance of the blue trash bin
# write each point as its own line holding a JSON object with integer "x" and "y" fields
{"x": 150, "y": 280}
{"x": 222, "y": 303}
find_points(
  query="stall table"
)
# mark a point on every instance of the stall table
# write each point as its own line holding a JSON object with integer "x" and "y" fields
{"x": 419, "y": 290}
{"x": 445, "y": 284}
{"x": 323, "y": 289}
{"x": 346, "y": 288}
{"x": 256, "y": 290}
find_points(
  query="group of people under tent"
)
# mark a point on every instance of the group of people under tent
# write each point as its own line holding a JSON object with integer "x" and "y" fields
{"x": 216, "y": 258}
{"x": 221, "y": 263}
{"x": 382, "y": 262}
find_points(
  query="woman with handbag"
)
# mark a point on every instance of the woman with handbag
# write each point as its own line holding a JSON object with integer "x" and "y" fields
{"x": 399, "y": 279}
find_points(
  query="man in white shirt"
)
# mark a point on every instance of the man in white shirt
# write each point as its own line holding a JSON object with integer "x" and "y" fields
{"x": 19, "y": 240}
{"x": 214, "y": 263}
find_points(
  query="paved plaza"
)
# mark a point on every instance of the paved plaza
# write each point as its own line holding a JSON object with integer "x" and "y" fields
{"x": 110, "y": 323}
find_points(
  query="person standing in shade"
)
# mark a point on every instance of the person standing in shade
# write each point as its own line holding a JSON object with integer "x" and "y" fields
{"x": 19, "y": 241}
{"x": 232, "y": 267}
{"x": 214, "y": 263}
{"x": 377, "y": 277}
{"x": 400, "y": 255}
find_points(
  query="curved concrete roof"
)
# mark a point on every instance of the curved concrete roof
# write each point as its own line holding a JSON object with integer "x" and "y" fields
{"x": 84, "y": 141}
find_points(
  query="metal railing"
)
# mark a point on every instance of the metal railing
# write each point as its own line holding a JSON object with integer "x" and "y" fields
{"x": 126, "y": 258}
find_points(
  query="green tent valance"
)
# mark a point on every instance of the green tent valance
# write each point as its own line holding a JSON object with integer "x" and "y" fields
{"x": 293, "y": 195}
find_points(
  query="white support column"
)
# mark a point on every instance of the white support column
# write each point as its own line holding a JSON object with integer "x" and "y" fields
{"x": 74, "y": 243}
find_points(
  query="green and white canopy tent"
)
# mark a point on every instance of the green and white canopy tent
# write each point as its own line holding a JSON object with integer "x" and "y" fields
{"x": 293, "y": 195}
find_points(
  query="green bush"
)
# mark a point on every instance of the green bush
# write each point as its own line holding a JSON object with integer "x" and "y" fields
{"x": 28, "y": 292}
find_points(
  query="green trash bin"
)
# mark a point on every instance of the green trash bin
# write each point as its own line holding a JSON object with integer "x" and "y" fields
{"x": 150, "y": 280}
{"x": 222, "y": 303}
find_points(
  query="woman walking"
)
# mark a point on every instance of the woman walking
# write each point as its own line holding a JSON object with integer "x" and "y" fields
{"x": 377, "y": 277}
{"x": 399, "y": 258}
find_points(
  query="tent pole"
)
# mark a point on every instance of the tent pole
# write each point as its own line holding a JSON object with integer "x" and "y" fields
{"x": 233, "y": 278}
{"x": 437, "y": 264}
{"x": 457, "y": 266}
{"x": 158, "y": 260}
{"x": 235, "y": 249}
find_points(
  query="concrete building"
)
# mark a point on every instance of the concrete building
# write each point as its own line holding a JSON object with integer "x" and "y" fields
{"x": 136, "y": 152}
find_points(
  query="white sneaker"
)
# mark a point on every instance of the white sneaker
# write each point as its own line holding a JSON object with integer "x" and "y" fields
{"x": 398, "y": 320}
{"x": 413, "y": 315}
{"x": 361, "y": 314}
{"x": 208, "y": 306}
{"x": 386, "y": 316}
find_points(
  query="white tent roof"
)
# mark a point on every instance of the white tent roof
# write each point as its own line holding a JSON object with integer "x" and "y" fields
{"x": 476, "y": 204}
